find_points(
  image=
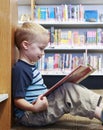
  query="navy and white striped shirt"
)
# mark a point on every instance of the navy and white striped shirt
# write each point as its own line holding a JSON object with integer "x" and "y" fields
{"x": 36, "y": 88}
{"x": 27, "y": 83}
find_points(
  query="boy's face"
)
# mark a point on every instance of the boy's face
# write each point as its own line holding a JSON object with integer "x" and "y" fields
{"x": 35, "y": 51}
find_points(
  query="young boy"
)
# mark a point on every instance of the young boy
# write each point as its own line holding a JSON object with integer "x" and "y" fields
{"x": 30, "y": 107}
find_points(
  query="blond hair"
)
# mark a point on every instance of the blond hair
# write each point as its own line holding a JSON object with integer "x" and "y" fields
{"x": 31, "y": 32}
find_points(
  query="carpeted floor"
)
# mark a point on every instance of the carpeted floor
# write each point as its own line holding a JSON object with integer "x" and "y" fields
{"x": 68, "y": 122}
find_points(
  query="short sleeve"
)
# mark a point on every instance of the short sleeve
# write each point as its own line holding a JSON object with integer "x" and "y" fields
{"x": 21, "y": 79}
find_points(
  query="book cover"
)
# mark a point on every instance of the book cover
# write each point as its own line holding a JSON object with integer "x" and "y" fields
{"x": 64, "y": 37}
{"x": 76, "y": 76}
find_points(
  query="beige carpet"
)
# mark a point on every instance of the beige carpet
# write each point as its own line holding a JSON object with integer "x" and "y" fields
{"x": 68, "y": 122}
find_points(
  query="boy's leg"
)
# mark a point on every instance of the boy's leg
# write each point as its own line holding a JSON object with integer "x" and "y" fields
{"x": 74, "y": 99}
{"x": 69, "y": 98}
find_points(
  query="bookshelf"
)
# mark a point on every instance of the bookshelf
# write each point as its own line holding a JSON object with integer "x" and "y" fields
{"x": 8, "y": 22}
{"x": 93, "y": 49}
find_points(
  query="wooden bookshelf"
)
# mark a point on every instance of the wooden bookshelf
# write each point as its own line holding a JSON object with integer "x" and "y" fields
{"x": 8, "y": 21}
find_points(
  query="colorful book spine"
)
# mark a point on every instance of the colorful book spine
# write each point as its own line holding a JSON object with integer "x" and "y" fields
{"x": 43, "y": 13}
{"x": 64, "y": 37}
{"x": 59, "y": 36}
{"x": 55, "y": 36}
{"x": 51, "y": 13}
{"x": 62, "y": 12}
{"x": 50, "y": 63}
{"x": 98, "y": 36}
{"x": 52, "y": 34}
{"x": 70, "y": 38}
{"x": 81, "y": 13}
{"x": 76, "y": 38}
{"x": 69, "y": 12}
{"x": 56, "y": 61}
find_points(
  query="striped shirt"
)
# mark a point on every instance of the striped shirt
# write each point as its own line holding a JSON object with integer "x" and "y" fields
{"x": 27, "y": 83}
{"x": 37, "y": 87}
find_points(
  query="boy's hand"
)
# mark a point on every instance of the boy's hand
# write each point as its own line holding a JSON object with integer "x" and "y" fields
{"x": 41, "y": 104}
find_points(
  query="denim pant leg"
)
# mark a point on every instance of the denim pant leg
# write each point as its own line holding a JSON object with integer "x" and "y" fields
{"x": 68, "y": 98}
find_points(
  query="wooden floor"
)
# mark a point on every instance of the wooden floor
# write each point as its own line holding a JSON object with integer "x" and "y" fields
{"x": 68, "y": 122}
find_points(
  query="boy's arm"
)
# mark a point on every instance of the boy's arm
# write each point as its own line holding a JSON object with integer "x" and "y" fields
{"x": 40, "y": 105}
{"x": 23, "y": 104}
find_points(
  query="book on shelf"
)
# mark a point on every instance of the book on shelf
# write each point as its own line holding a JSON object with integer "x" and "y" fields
{"x": 43, "y": 13}
{"x": 64, "y": 62}
{"x": 52, "y": 36}
{"x": 72, "y": 37}
{"x": 76, "y": 76}
{"x": 62, "y": 12}
{"x": 64, "y": 37}
{"x": 51, "y": 13}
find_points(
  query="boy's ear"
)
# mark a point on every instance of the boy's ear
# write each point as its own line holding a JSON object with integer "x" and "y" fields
{"x": 25, "y": 44}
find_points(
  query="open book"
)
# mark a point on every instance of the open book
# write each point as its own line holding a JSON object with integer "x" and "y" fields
{"x": 76, "y": 76}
